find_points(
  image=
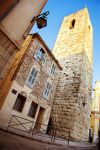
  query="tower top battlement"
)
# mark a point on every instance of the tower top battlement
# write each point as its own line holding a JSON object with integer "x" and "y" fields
{"x": 75, "y": 36}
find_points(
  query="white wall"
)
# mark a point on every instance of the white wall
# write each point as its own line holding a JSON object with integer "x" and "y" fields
{"x": 16, "y": 22}
{"x": 7, "y": 110}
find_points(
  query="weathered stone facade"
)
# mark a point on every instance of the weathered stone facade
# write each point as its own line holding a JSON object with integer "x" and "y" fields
{"x": 95, "y": 111}
{"x": 35, "y": 93}
{"x": 73, "y": 49}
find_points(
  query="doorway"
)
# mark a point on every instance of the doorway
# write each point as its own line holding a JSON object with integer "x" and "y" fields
{"x": 39, "y": 119}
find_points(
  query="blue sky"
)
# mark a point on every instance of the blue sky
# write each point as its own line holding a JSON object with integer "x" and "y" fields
{"x": 61, "y": 8}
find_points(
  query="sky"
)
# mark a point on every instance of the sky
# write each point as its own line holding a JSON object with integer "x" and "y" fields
{"x": 58, "y": 10}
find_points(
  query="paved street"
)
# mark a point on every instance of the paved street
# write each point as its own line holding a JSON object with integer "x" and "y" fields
{"x": 9, "y": 141}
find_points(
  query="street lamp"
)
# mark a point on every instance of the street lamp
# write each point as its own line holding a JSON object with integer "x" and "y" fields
{"x": 41, "y": 21}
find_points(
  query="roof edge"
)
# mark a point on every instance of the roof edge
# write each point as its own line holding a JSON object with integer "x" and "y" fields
{"x": 47, "y": 48}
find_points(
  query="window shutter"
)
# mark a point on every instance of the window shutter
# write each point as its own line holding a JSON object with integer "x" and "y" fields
{"x": 47, "y": 90}
{"x": 53, "y": 69}
{"x": 32, "y": 77}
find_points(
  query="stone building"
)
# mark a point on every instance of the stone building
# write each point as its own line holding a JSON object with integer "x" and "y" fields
{"x": 73, "y": 49}
{"x": 33, "y": 86}
{"x": 15, "y": 17}
{"x": 95, "y": 111}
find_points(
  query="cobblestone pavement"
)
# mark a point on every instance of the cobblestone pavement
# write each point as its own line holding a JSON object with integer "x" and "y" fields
{"x": 9, "y": 141}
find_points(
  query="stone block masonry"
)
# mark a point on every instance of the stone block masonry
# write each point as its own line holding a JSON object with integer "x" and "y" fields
{"x": 73, "y": 49}
{"x": 33, "y": 86}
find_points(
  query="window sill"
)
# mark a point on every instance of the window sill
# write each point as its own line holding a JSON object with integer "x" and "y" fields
{"x": 31, "y": 87}
{"x": 45, "y": 98}
{"x": 39, "y": 62}
{"x": 17, "y": 110}
{"x": 31, "y": 117}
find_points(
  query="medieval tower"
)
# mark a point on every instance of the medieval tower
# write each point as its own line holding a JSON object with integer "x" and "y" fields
{"x": 73, "y": 49}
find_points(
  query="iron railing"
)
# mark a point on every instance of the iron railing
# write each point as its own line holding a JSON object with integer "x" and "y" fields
{"x": 19, "y": 123}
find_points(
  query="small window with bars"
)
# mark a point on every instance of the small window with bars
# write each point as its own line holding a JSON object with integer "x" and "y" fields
{"x": 33, "y": 110}
{"x": 32, "y": 78}
{"x": 47, "y": 90}
{"x": 19, "y": 103}
{"x": 53, "y": 68}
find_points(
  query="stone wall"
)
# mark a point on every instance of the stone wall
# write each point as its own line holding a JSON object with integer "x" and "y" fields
{"x": 43, "y": 71}
{"x": 73, "y": 48}
{"x": 35, "y": 93}
{"x": 95, "y": 111}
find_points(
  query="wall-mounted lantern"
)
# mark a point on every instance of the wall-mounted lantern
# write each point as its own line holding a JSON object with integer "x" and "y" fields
{"x": 41, "y": 21}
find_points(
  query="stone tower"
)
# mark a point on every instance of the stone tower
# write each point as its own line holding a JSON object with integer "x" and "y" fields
{"x": 73, "y": 49}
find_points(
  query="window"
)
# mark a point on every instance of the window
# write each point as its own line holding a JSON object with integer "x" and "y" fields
{"x": 32, "y": 78}
{"x": 36, "y": 43}
{"x": 44, "y": 59}
{"x": 47, "y": 90}
{"x": 72, "y": 24}
{"x": 89, "y": 27}
{"x": 19, "y": 103}
{"x": 53, "y": 69}
{"x": 39, "y": 55}
{"x": 32, "y": 110}
{"x": 14, "y": 91}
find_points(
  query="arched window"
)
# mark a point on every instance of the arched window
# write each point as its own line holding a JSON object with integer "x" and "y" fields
{"x": 72, "y": 24}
